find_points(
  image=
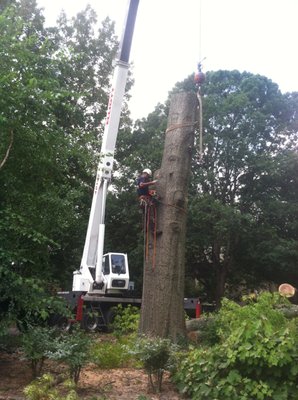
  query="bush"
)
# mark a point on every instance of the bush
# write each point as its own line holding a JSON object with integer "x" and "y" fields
{"x": 256, "y": 357}
{"x": 154, "y": 353}
{"x": 36, "y": 343}
{"x": 73, "y": 350}
{"x": 126, "y": 320}
{"x": 111, "y": 354}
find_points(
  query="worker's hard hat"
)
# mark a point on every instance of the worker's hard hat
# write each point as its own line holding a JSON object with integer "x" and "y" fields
{"x": 147, "y": 171}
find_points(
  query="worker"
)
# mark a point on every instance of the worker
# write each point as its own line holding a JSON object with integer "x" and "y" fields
{"x": 143, "y": 183}
{"x": 148, "y": 201}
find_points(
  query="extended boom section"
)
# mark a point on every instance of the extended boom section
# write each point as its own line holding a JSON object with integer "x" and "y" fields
{"x": 107, "y": 273}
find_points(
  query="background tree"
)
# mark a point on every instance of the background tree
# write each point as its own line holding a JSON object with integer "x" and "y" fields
{"x": 53, "y": 94}
{"x": 249, "y": 129}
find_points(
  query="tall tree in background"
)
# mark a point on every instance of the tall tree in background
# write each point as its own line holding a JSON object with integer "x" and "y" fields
{"x": 53, "y": 95}
{"x": 248, "y": 131}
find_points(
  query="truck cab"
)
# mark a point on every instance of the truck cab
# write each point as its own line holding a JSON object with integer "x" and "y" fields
{"x": 114, "y": 280}
{"x": 115, "y": 270}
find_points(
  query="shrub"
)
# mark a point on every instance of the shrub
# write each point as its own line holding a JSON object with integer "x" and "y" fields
{"x": 36, "y": 343}
{"x": 110, "y": 354}
{"x": 256, "y": 357}
{"x": 74, "y": 350}
{"x": 126, "y": 320}
{"x": 154, "y": 353}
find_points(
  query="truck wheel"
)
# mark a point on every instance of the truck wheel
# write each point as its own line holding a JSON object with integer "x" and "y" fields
{"x": 90, "y": 322}
{"x": 62, "y": 323}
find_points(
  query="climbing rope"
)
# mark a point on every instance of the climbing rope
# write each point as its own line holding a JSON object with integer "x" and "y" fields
{"x": 154, "y": 236}
{"x": 150, "y": 225}
{"x": 145, "y": 230}
{"x": 177, "y": 126}
{"x": 200, "y": 107}
{"x": 172, "y": 205}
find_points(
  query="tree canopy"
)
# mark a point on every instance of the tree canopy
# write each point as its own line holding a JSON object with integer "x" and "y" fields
{"x": 241, "y": 229}
{"x": 54, "y": 91}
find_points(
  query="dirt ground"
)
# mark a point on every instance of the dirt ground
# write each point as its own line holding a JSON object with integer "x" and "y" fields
{"x": 94, "y": 384}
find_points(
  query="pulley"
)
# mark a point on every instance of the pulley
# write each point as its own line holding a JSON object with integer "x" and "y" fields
{"x": 199, "y": 78}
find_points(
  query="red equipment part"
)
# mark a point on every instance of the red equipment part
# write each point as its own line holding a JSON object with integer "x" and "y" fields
{"x": 79, "y": 314}
{"x": 198, "y": 309}
{"x": 199, "y": 77}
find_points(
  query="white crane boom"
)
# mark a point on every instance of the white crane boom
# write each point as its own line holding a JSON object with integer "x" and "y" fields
{"x": 107, "y": 273}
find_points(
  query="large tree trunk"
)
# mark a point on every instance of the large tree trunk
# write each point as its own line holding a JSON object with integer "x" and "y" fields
{"x": 163, "y": 285}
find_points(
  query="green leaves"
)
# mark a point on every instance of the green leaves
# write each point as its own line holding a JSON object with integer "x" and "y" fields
{"x": 154, "y": 353}
{"x": 45, "y": 387}
{"x": 126, "y": 320}
{"x": 72, "y": 349}
{"x": 241, "y": 225}
{"x": 257, "y": 351}
{"x": 36, "y": 342}
{"x": 53, "y": 97}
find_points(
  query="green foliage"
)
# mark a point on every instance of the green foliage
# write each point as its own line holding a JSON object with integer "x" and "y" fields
{"x": 209, "y": 334}
{"x": 36, "y": 343}
{"x": 126, "y": 320}
{"x": 44, "y": 388}
{"x": 113, "y": 354}
{"x": 154, "y": 353}
{"x": 25, "y": 301}
{"x": 241, "y": 226}
{"x": 10, "y": 342}
{"x": 256, "y": 356}
{"x": 53, "y": 98}
{"x": 73, "y": 350}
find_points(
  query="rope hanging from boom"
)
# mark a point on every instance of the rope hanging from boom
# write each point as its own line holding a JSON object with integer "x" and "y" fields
{"x": 199, "y": 80}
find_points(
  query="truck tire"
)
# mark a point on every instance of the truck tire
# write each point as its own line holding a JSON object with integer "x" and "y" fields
{"x": 90, "y": 321}
{"x": 60, "y": 322}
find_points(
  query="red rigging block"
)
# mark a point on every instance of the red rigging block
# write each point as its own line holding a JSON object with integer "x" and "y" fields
{"x": 199, "y": 77}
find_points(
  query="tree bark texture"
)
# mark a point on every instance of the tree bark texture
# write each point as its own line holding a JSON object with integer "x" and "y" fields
{"x": 163, "y": 284}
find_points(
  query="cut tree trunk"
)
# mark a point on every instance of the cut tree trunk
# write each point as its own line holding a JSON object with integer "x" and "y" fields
{"x": 163, "y": 284}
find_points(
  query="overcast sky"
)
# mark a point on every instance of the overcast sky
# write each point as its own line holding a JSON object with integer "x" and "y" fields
{"x": 171, "y": 36}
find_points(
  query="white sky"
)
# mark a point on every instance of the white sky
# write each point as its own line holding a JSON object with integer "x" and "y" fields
{"x": 171, "y": 36}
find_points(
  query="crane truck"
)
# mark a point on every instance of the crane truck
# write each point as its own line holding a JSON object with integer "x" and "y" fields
{"x": 102, "y": 281}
